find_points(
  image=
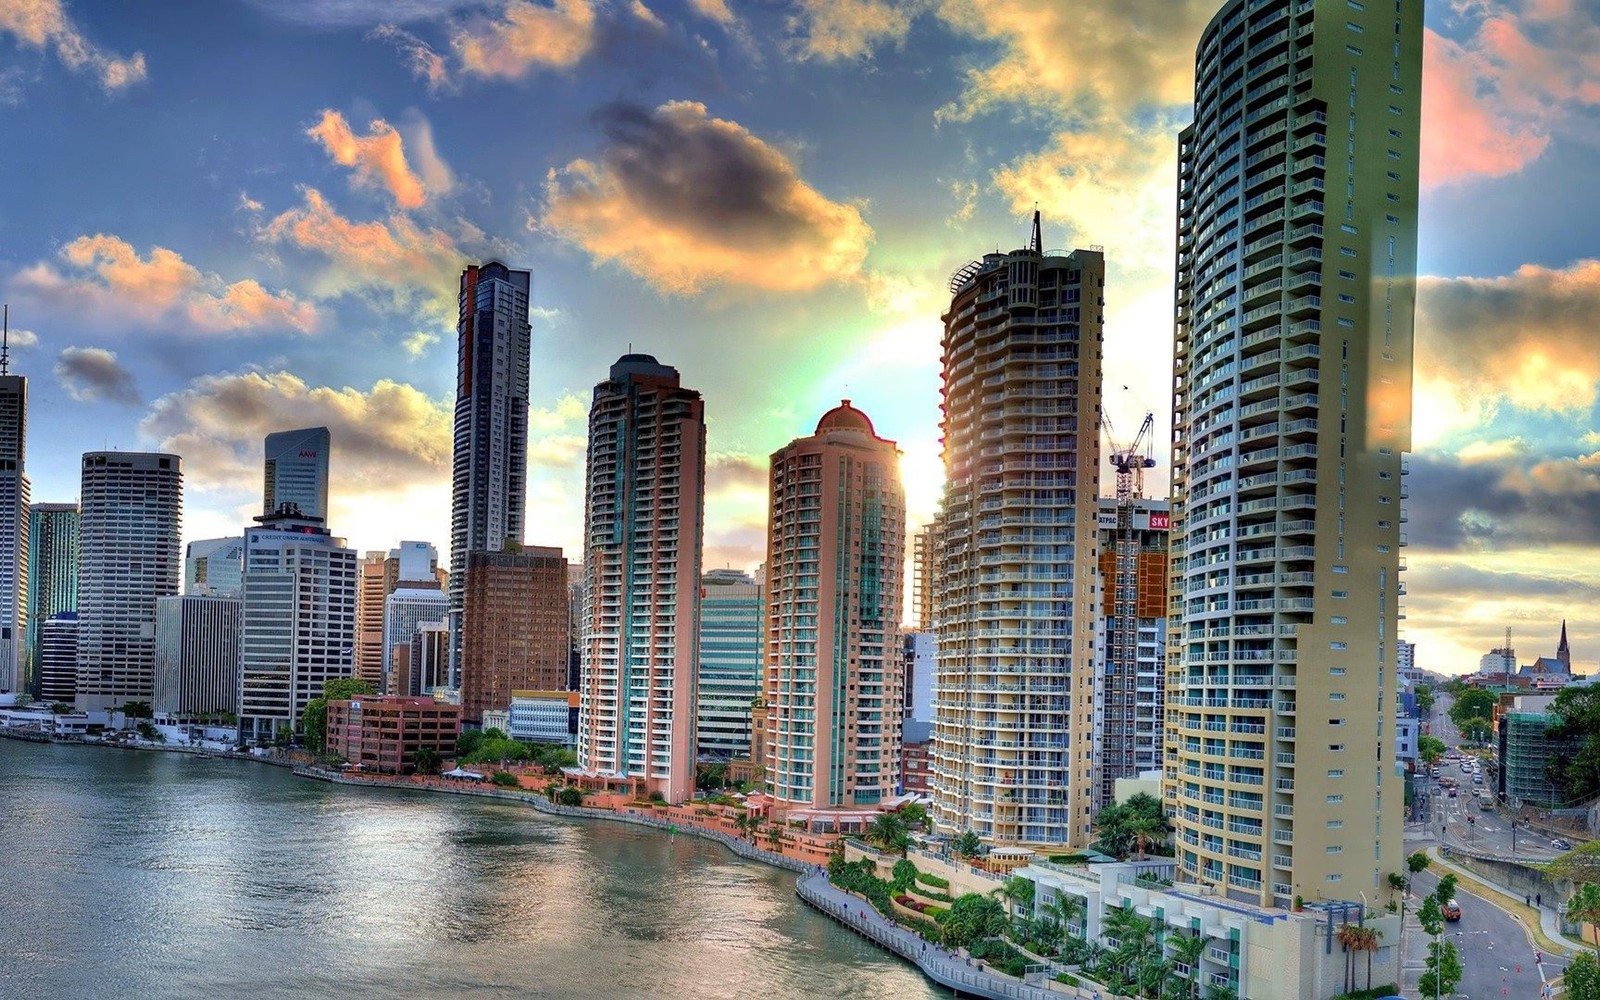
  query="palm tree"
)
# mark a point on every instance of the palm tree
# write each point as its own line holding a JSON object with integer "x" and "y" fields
{"x": 1347, "y": 935}
{"x": 1016, "y": 892}
{"x": 1368, "y": 939}
{"x": 1143, "y": 828}
{"x": 1584, "y": 907}
{"x": 1186, "y": 950}
{"x": 888, "y": 831}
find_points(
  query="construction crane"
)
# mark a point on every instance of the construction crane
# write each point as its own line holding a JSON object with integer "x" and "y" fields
{"x": 1118, "y": 748}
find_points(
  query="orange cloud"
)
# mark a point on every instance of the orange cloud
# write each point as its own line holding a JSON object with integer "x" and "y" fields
{"x": 685, "y": 200}
{"x": 107, "y": 275}
{"x": 716, "y": 10}
{"x": 426, "y": 64}
{"x": 379, "y": 157}
{"x": 44, "y": 23}
{"x": 526, "y": 36}
{"x": 850, "y": 29}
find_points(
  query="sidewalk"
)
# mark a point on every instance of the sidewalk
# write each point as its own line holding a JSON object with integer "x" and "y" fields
{"x": 938, "y": 964}
{"x": 1542, "y": 923}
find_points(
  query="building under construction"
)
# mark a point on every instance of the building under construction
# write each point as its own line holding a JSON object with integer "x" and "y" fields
{"x": 1130, "y": 683}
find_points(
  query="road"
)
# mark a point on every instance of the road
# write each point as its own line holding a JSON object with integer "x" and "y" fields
{"x": 1497, "y": 959}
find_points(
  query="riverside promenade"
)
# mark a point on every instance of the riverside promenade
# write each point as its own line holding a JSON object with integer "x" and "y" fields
{"x": 936, "y": 963}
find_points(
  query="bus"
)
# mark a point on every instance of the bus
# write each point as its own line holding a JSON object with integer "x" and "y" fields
{"x": 1485, "y": 800}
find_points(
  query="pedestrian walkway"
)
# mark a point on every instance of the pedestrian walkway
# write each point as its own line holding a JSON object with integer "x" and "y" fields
{"x": 939, "y": 965}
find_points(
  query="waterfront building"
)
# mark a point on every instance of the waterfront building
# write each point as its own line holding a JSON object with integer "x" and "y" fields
{"x": 383, "y": 733}
{"x": 731, "y": 620}
{"x": 1296, "y": 270}
{"x": 405, "y": 611}
{"x": 643, "y": 526}
{"x": 835, "y": 558}
{"x": 490, "y": 468}
{"x": 197, "y": 658}
{"x": 575, "y": 618}
{"x": 58, "y": 658}
{"x": 296, "y": 471}
{"x": 517, "y": 636}
{"x": 129, "y": 556}
{"x": 924, "y": 575}
{"x": 15, "y": 497}
{"x": 299, "y": 624}
{"x": 52, "y": 576}
{"x": 1016, "y": 607}
{"x": 1130, "y": 686}
{"x": 543, "y": 717}
{"x": 378, "y": 575}
{"x": 427, "y": 668}
{"x": 919, "y": 652}
{"x": 214, "y": 567}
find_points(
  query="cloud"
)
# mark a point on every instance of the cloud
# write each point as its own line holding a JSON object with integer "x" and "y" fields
{"x": 527, "y": 35}
{"x": 24, "y": 340}
{"x": 394, "y": 255}
{"x": 105, "y": 275}
{"x": 1526, "y": 338}
{"x": 379, "y": 157}
{"x": 44, "y": 24}
{"x": 732, "y": 471}
{"x": 685, "y": 200}
{"x": 1492, "y": 101}
{"x": 830, "y": 30}
{"x": 1086, "y": 60}
{"x": 417, "y": 344}
{"x": 1520, "y": 502}
{"x": 716, "y": 10}
{"x": 570, "y": 409}
{"x": 391, "y": 437}
{"x": 425, "y": 64}
{"x": 93, "y": 375}
{"x": 645, "y": 14}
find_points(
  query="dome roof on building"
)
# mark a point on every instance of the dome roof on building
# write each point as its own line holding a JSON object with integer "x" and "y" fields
{"x": 845, "y": 417}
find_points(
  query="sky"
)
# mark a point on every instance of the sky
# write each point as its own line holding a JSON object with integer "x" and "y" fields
{"x": 224, "y": 219}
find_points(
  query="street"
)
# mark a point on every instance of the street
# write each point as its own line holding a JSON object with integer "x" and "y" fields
{"x": 1497, "y": 959}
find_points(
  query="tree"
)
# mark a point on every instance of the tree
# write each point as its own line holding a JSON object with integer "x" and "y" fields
{"x": 903, "y": 875}
{"x": 1446, "y": 890}
{"x": 1430, "y": 749}
{"x": 968, "y": 845}
{"x": 973, "y": 918}
{"x": 427, "y": 761}
{"x": 570, "y": 796}
{"x": 1443, "y": 970}
{"x": 1016, "y": 893}
{"x": 888, "y": 831}
{"x": 1124, "y": 826}
{"x": 1579, "y": 865}
{"x": 59, "y": 708}
{"x": 1417, "y": 862}
{"x": 137, "y": 710}
{"x": 1582, "y": 979}
{"x": 1186, "y": 951}
{"x": 1584, "y": 907}
{"x": 914, "y": 815}
{"x": 505, "y": 779}
{"x": 1425, "y": 700}
{"x": 314, "y": 717}
{"x": 1477, "y": 731}
{"x": 1348, "y": 936}
{"x": 1576, "y": 770}
{"x": 1370, "y": 941}
{"x": 1475, "y": 703}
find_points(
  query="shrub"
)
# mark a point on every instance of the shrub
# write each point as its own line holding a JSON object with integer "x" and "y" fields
{"x": 905, "y": 873}
{"x": 570, "y": 796}
{"x": 933, "y": 880}
{"x": 1373, "y": 994}
{"x": 505, "y": 779}
{"x": 1002, "y": 956}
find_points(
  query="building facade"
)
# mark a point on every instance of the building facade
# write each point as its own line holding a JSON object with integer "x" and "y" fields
{"x": 15, "y": 497}
{"x": 919, "y": 657}
{"x": 128, "y": 557}
{"x": 543, "y": 717}
{"x": 53, "y": 530}
{"x": 835, "y": 558}
{"x": 1016, "y": 604}
{"x": 517, "y": 631}
{"x": 1296, "y": 263}
{"x": 214, "y": 567}
{"x": 299, "y": 623}
{"x": 1130, "y": 686}
{"x": 383, "y": 733}
{"x": 490, "y": 471}
{"x": 404, "y": 612}
{"x": 644, "y": 520}
{"x": 732, "y": 616}
{"x": 296, "y": 471}
{"x": 924, "y": 574}
{"x": 58, "y": 658}
{"x": 197, "y": 659}
{"x": 428, "y": 665}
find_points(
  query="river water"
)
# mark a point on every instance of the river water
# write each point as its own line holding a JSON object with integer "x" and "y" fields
{"x": 147, "y": 875}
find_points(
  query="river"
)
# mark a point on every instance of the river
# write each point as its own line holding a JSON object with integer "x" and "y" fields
{"x": 127, "y": 874}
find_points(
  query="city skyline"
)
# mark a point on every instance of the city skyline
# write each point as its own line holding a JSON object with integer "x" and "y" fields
{"x": 309, "y": 259}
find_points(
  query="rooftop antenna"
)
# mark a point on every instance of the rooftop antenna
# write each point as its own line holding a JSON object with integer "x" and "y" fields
{"x": 1038, "y": 240}
{"x": 5, "y": 339}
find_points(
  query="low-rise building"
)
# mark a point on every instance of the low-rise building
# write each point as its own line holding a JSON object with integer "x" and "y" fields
{"x": 543, "y": 717}
{"x": 916, "y": 766}
{"x": 384, "y": 732}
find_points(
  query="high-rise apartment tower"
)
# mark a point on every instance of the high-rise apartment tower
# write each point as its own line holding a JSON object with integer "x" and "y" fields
{"x": 129, "y": 555}
{"x": 643, "y": 524}
{"x": 1296, "y": 263}
{"x": 1016, "y": 605}
{"x": 52, "y": 574}
{"x": 490, "y": 473}
{"x": 14, "y": 500}
{"x": 296, "y": 471}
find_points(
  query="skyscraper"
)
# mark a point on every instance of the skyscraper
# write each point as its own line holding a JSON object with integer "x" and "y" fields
{"x": 1016, "y": 607}
{"x": 731, "y": 651}
{"x": 643, "y": 524}
{"x": 296, "y": 471}
{"x": 1130, "y": 686}
{"x": 197, "y": 658}
{"x": 214, "y": 567}
{"x": 52, "y": 574}
{"x": 299, "y": 625}
{"x": 836, "y": 537}
{"x": 924, "y": 573}
{"x": 411, "y": 594}
{"x": 14, "y": 500}
{"x": 129, "y": 555}
{"x": 517, "y": 633}
{"x": 1296, "y": 263}
{"x": 490, "y": 471}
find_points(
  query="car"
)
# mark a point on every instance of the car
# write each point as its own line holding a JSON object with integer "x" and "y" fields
{"x": 1561, "y": 844}
{"x": 1477, "y": 779}
{"x": 1452, "y": 911}
{"x": 1452, "y": 791}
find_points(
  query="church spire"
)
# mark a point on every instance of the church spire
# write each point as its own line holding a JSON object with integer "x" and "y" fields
{"x": 1563, "y": 651}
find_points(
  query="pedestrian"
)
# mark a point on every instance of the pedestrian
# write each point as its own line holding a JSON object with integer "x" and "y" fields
{"x": 1538, "y": 899}
{"x": 1527, "y": 899}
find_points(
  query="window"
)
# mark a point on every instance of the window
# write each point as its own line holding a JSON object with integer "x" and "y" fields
{"x": 1348, "y": 251}
{"x": 1394, "y": 154}
{"x": 1335, "y": 824}
{"x": 1348, "y": 275}
{"x": 1335, "y": 849}
{"x": 1392, "y": 175}
{"x": 1337, "y": 645}
{"x": 1340, "y": 595}
{"x": 1347, "y": 227}
{"x": 1358, "y": 29}
{"x": 1352, "y": 50}
{"x": 1347, "y": 299}
{"x": 1334, "y": 800}
{"x": 1340, "y": 620}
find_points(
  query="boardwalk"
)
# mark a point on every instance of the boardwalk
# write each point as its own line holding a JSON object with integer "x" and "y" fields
{"x": 936, "y": 964}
